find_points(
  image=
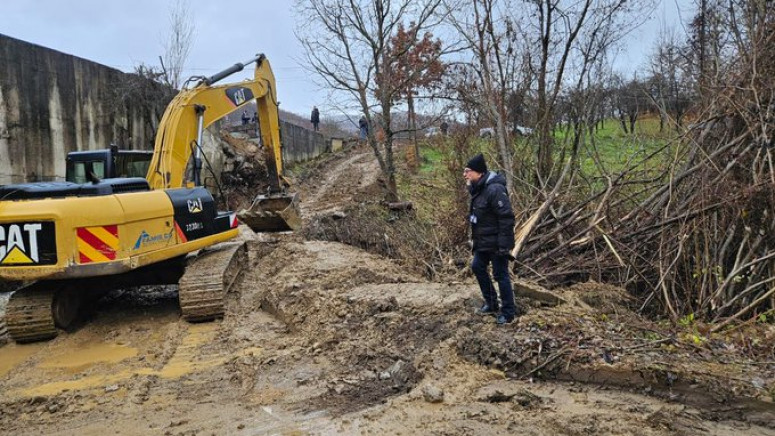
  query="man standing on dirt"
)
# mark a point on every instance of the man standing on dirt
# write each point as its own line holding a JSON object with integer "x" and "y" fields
{"x": 314, "y": 118}
{"x": 492, "y": 231}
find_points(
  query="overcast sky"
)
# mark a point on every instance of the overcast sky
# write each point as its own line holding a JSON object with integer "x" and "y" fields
{"x": 122, "y": 34}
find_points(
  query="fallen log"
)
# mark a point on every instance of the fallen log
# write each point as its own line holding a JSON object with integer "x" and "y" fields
{"x": 400, "y": 205}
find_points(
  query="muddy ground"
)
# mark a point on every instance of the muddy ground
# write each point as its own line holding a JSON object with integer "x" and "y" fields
{"x": 325, "y": 338}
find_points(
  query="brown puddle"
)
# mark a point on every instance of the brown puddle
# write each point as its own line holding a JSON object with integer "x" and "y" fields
{"x": 14, "y": 354}
{"x": 186, "y": 360}
{"x": 81, "y": 358}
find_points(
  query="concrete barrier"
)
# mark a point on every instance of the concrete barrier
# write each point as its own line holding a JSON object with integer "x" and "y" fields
{"x": 299, "y": 144}
{"x": 52, "y": 103}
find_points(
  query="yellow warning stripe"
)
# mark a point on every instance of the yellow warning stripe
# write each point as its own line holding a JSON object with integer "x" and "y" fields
{"x": 91, "y": 252}
{"x": 104, "y": 235}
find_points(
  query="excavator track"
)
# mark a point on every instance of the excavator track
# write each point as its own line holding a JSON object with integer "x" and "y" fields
{"x": 3, "y": 328}
{"x": 208, "y": 278}
{"x": 3, "y": 331}
{"x": 29, "y": 316}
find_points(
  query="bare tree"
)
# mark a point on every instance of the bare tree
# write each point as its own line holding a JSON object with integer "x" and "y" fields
{"x": 144, "y": 92}
{"x": 347, "y": 46}
{"x": 629, "y": 100}
{"x": 491, "y": 35}
{"x": 178, "y": 42}
{"x": 547, "y": 46}
{"x": 563, "y": 31}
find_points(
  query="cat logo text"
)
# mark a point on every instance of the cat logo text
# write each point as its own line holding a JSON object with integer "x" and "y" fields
{"x": 27, "y": 244}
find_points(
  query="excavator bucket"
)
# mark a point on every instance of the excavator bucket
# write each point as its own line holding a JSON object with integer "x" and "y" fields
{"x": 273, "y": 213}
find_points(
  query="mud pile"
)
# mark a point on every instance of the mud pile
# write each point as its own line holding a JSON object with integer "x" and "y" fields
{"x": 244, "y": 174}
{"x": 368, "y": 318}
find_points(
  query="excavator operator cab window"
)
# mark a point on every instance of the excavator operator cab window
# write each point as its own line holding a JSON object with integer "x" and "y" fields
{"x": 132, "y": 165}
{"x": 77, "y": 172}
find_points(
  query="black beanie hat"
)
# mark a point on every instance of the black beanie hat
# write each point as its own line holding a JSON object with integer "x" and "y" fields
{"x": 477, "y": 164}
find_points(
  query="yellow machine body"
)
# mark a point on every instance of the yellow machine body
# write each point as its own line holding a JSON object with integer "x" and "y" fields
{"x": 121, "y": 231}
{"x": 94, "y": 236}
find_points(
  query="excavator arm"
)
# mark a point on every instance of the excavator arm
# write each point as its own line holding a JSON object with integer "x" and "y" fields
{"x": 195, "y": 109}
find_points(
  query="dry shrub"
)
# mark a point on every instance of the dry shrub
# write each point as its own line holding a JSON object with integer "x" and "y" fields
{"x": 374, "y": 228}
{"x": 432, "y": 237}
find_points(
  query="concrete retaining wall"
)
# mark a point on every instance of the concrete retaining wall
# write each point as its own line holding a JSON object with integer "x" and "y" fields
{"x": 52, "y": 103}
{"x": 299, "y": 144}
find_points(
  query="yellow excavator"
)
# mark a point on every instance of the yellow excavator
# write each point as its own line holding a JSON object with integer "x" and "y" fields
{"x": 70, "y": 242}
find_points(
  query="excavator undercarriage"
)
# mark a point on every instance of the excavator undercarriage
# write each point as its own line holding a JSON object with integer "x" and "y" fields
{"x": 35, "y": 312}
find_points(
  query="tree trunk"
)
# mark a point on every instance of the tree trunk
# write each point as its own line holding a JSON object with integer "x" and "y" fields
{"x": 389, "y": 172}
{"x": 544, "y": 164}
{"x": 413, "y": 128}
{"x": 505, "y": 152}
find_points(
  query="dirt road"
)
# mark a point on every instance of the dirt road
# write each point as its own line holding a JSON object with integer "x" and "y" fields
{"x": 324, "y": 338}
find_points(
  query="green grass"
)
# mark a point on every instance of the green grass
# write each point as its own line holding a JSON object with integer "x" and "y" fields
{"x": 430, "y": 158}
{"x": 607, "y": 153}
{"x": 611, "y": 151}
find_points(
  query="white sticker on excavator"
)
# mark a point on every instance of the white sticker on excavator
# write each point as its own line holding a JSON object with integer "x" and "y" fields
{"x": 239, "y": 97}
{"x": 19, "y": 243}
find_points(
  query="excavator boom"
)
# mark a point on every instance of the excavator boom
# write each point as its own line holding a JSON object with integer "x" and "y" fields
{"x": 195, "y": 109}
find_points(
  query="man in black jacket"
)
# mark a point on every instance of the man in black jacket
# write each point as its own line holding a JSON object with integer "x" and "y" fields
{"x": 314, "y": 118}
{"x": 492, "y": 231}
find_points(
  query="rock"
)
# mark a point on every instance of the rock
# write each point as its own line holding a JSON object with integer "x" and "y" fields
{"x": 396, "y": 367}
{"x": 497, "y": 396}
{"x": 505, "y": 394}
{"x": 338, "y": 215}
{"x": 432, "y": 394}
{"x": 111, "y": 388}
{"x": 384, "y": 375}
{"x": 400, "y": 205}
{"x": 536, "y": 292}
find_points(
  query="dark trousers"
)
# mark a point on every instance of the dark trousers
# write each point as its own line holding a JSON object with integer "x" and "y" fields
{"x": 500, "y": 272}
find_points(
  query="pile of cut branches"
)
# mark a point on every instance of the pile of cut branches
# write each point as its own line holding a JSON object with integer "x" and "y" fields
{"x": 696, "y": 237}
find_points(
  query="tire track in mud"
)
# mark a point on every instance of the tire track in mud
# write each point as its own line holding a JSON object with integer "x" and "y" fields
{"x": 340, "y": 183}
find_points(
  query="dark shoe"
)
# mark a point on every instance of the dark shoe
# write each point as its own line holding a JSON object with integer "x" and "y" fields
{"x": 502, "y": 319}
{"x": 487, "y": 310}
